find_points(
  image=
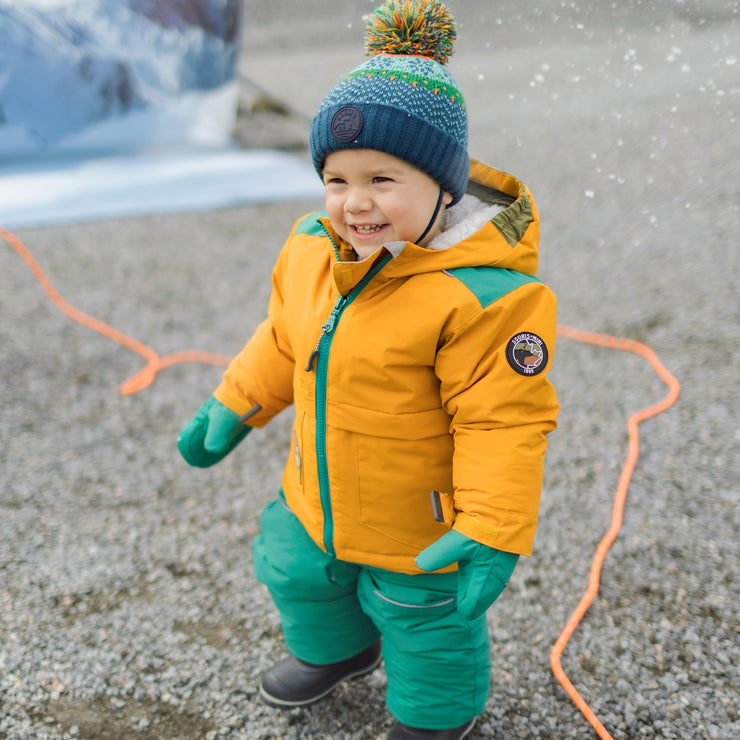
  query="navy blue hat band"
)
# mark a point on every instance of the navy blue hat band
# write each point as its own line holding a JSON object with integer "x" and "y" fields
{"x": 394, "y": 132}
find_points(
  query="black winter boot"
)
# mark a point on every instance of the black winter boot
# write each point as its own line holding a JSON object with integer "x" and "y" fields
{"x": 399, "y": 731}
{"x": 292, "y": 682}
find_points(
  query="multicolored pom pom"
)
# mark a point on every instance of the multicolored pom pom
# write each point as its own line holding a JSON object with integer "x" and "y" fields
{"x": 422, "y": 28}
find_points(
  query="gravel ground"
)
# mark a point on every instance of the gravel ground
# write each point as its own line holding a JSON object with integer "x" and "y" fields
{"x": 128, "y": 608}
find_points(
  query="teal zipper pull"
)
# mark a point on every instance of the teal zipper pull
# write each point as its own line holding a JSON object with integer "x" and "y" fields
{"x": 331, "y": 322}
{"x": 326, "y": 328}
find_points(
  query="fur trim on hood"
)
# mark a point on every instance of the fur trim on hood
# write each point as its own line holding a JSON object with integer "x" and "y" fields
{"x": 463, "y": 220}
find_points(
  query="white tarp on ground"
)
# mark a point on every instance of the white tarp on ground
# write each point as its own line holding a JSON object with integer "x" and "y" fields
{"x": 74, "y": 190}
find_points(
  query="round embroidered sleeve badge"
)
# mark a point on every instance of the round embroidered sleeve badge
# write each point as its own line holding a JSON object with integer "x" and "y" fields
{"x": 346, "y": 124}
{"x": 527, "y": 353}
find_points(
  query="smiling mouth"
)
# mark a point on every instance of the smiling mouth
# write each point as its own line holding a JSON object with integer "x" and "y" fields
{"x": 367, "y": 229}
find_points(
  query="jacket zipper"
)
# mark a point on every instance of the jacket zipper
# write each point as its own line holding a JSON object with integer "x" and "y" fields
{"x": 320, "y": 355}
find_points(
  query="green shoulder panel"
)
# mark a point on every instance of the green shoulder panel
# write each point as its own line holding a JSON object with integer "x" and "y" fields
{"x": 489, "y": 284}
{"x": 311, "y": 226}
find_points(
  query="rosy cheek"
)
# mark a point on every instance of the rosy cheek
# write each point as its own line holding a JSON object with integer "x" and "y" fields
{"x": 331, "y": 203}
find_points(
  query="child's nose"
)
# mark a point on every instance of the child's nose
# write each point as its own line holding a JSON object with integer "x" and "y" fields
{"x": 357, "y": 201}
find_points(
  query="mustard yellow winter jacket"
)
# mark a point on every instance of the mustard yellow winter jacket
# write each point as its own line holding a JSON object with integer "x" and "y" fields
{"x": 419, "y": 382}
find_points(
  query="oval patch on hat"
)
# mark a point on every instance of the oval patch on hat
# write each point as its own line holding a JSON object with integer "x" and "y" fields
{"x": 346, "y": 124}
{"x": 527, "y": 353}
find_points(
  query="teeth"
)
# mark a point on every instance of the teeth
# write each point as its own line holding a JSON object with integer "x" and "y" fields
{"x": 367, "y": 229}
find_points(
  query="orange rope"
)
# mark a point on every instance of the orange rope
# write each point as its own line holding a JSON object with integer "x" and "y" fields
{"x": 618, "y": 507}
{"x": 155, "y": 363}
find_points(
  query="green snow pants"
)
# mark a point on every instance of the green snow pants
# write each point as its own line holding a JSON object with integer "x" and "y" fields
{"x": 437, "y": 663}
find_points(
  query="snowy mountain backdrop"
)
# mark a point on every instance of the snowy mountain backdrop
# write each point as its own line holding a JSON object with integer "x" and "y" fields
{"x": 116, "y": 74}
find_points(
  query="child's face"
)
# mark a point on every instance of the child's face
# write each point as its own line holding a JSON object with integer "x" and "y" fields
{"x": 373, "y": 198}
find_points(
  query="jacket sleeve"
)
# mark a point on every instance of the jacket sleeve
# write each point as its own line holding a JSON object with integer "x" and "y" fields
{"x": 493, "y": 372}
{"x": 262, "y": 373}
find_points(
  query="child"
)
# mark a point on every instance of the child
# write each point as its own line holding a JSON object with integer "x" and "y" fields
{"x": 407, "y": 328}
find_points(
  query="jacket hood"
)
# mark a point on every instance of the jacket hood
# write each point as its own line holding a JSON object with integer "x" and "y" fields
{"x": 497, "y": 226}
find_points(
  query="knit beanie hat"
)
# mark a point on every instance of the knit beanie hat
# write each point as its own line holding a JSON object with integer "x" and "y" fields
{"x": 402, "y": 100}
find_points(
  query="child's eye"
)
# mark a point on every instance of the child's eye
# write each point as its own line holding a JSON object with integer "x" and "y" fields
{"x": 381, "y": 178}
{"x": 333, "y": 181}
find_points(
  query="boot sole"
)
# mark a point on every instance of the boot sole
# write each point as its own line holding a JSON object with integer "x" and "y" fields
{"x": 466, "y": 729}
{"x": 274, "y": 701}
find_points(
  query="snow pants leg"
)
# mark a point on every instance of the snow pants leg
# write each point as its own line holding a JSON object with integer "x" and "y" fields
{"x": 315, "y": 594}
{"x": 437, "y": 663}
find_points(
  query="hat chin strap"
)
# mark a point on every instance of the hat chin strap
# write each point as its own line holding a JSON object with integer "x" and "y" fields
{"x": 434, "y": 215}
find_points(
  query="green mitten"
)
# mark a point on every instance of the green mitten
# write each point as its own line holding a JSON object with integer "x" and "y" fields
{"x": 211, "y": 434}
{"x": 483, "y": 571}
